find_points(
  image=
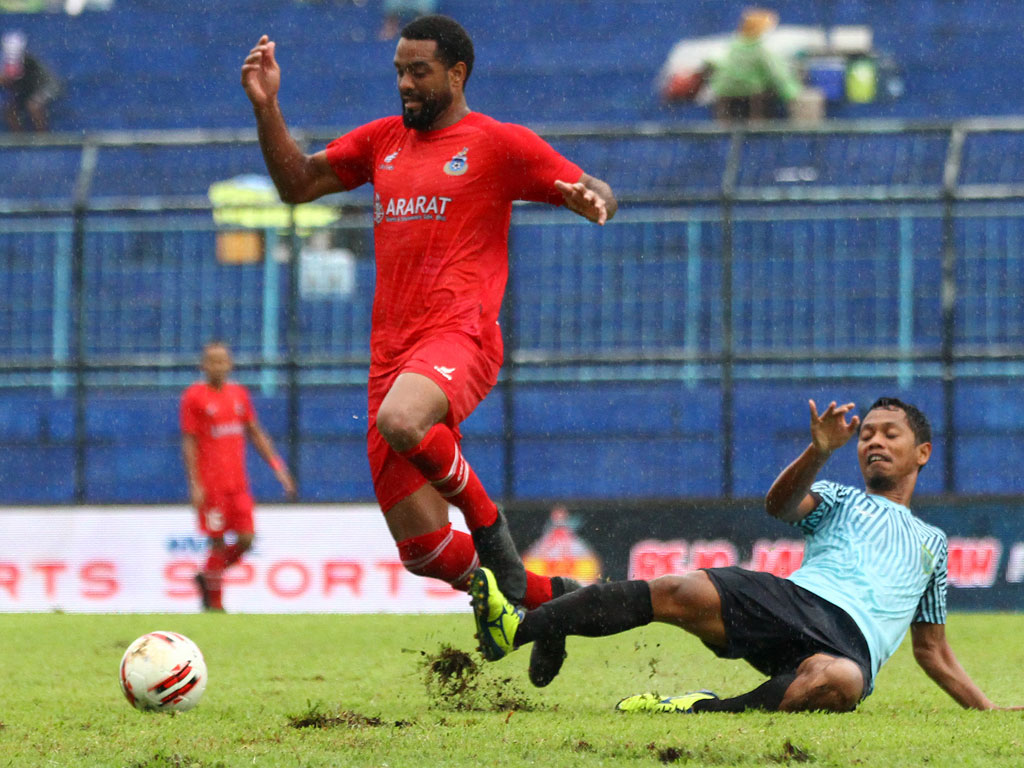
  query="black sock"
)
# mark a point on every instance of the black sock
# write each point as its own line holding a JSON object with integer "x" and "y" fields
{"x": 594, "y": 611}
{"x": 767, "y": 696}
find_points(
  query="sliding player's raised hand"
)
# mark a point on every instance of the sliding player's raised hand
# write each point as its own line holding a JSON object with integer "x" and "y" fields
{"x": 831, "y": 430}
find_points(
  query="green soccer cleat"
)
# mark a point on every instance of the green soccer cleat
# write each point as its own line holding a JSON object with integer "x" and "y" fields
{"x": 496, "y": 618}
{"x": 497, "y": 551}
{"x": 652, "y": 702}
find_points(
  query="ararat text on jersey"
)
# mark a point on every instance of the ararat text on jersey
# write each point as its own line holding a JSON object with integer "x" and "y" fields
{"x": 416, "y": 206}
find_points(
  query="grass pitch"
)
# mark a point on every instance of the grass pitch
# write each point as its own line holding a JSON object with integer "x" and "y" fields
{"x": 399, "y": 691}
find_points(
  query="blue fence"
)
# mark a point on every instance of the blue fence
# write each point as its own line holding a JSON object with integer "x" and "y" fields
{"x": 812, "y": 282}
{"x": 745, "y": 272}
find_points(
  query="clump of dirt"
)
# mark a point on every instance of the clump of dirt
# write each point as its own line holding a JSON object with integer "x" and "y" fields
{"x": 670, "y": 754}
{"x": 791, "y": 754}
{"x": 316, "y": 717}
{"x": 455, "y": 681}
{"x": 174, "y": 760}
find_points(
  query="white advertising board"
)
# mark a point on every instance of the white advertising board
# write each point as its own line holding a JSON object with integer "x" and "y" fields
{"x": 306, "y": 559}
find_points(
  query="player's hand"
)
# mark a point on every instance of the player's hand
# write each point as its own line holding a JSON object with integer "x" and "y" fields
{"x": 284, "y": 477}
{"x": 587, "y": 203}
{"x": 261, "y": 76}
{"x": 197, "y": 495}
{"x": 831, "y": 430}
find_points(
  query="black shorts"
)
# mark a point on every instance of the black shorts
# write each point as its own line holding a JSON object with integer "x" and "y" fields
{"x": 775, "y": 624}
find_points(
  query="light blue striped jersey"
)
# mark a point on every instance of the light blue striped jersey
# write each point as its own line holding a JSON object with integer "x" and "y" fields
{"x": 876, "y": 561}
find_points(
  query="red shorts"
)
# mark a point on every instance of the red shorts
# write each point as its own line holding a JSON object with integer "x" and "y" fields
{"x": 222, "y": 512}
{"x": 463, "y": 370}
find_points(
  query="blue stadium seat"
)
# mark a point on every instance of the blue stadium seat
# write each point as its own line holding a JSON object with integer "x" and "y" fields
{"x": 172, "y": 170}
{"x": 130, "y": 420}
{"x": 39, "y": 173}
{"x": 603, "y": 468}
{"x": 488, "y": 420}
{"x": 843, "y": 160}
{"x": 37, "y": 474}
{"x": 21, "y": 418}
{"x": 130, "y": 473}
{"x": 990, "y": 464}
{"x": 616, "y": 410}
{"x": 992, "y": 406}
{"x": 335, "y": 470}
{"x": 992, "y": 158}
{"x": 331, "y": 413}
{"x": 272, "y": 412}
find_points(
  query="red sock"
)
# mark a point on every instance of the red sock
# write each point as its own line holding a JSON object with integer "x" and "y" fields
{"x": 232, "y": 554}
{"x": 213, "y": 572}
{"x": 538, "y": 590}
{"x": 442, "y": 554}
{"x": 440, "y": 459}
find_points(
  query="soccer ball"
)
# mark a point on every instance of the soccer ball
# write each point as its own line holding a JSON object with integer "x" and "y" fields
{"x": 163, "y": 671}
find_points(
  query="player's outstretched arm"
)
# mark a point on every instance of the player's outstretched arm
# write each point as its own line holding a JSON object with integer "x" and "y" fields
{"x": 935, "y": 656}
{"x": 298, "y": 177}
{"x": 265, "y": 448}
{"x": 789, "y": 498}
{"x": 589, "y": 197}
{"x": 190, "y": 453}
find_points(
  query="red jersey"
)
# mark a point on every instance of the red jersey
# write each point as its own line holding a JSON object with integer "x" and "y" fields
{"x": 442, "y": 206}
{"x": 217, "y": 419}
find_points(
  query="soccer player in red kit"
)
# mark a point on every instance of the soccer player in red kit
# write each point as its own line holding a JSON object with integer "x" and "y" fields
{"x": 216, "y": 417}
{"x": 444, "y": 181}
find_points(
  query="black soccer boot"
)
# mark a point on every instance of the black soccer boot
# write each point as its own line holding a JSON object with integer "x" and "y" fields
{"x": 563, "y": 585}
{"x": 547, "y": 655}
{"x": 498, "y": 552}
{"x": 204, "y": 593}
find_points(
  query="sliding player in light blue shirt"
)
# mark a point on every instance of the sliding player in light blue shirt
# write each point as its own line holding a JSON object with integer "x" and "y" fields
{"x": 871, "y": 571}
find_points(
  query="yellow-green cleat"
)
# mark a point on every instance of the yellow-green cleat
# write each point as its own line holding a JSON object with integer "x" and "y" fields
{"x": 652, "y": 702}
{"x": 496, "y": 618}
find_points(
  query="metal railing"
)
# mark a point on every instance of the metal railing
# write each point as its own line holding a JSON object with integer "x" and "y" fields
{"x": 846, "y": 250}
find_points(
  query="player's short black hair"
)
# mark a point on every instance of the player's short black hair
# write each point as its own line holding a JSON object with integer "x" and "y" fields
{"x": 216, "y": 343}
{"x": 917, "y": 420}
{"x": 453, "y": 42}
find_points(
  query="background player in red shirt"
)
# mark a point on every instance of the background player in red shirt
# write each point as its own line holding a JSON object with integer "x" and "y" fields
{"x": 444, "y": 181}
{"x": 216, "y": 417}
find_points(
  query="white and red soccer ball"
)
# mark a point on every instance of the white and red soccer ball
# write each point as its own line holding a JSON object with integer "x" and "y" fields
{"x": 163, "y": 671}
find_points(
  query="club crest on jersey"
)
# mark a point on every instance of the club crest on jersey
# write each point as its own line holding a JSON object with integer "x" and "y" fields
{"x": 458, "y": 164}
{"x": 927, "y": 561}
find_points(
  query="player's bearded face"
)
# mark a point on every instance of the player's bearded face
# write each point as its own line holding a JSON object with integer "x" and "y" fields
{"x": 425, "y": 83}
{"x": 421, "y": 108}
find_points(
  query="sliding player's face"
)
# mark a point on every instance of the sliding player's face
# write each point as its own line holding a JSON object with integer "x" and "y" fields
{"x": 888, "y": 450}
{"x": 216, "y": 364}
{"x": 424, "y": 83}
